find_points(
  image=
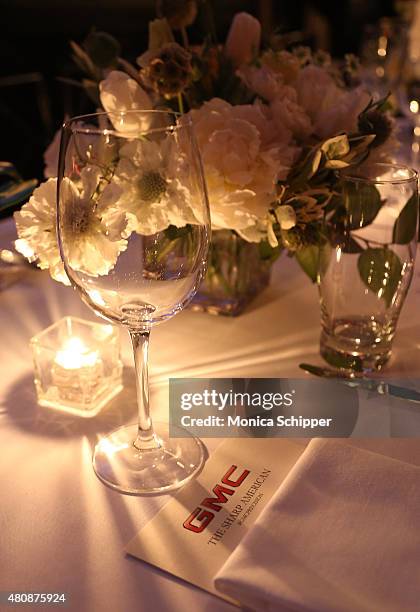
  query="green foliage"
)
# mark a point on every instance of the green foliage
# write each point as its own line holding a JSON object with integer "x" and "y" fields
{"x": 380, "y": 270}
{"x": 173, "y": 233}
{"x": 405, "y": 227}
{"x": 267, "y": 252}
{"x": 362, "y": 202}
{"x": 308, "y": 258}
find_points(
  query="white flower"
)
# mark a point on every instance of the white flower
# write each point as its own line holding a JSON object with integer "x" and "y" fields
{"x": 90, "y": 148}
{"x": 271, "y": 236}
{"x": 119, "y": 93}
{"x": 244, "y": 155}
{"x": 155, "y": 185}
{"x": 284, "y": 65}
{"x": 92, "y": 226}
{"x": 288, "y": 113}
{"x": 36, "y": 228}
{"x": 262, "y": 81}
{"x": 258, "y": 231}
{"x": 332, "y": 109}
{"x": 286, "y": 216}
{"x": 93, "y": 223}
{"x": 261, "y": 230}
{"x": 243, "y": 40}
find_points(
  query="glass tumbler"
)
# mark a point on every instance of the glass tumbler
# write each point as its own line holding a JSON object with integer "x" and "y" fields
{"x": 366, "y": 265}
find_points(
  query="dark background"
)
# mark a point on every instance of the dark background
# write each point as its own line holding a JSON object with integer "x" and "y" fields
{"x": 34, "y": 51}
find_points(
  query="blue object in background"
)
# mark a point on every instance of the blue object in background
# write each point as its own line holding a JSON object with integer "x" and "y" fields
{"x": 13, "y": 189}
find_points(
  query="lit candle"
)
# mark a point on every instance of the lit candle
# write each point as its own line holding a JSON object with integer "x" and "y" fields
{"x": 77, "y": 371}
{"x": 75, "y": 354}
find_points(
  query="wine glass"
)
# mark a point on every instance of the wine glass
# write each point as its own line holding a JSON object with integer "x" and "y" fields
{"x": 133, "y": 230}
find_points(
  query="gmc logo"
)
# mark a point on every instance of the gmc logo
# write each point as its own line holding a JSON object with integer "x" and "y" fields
{"x": 202, "y": 517}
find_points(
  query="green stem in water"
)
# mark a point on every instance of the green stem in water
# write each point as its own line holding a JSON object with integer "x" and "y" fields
{"x": 180, "y": 104}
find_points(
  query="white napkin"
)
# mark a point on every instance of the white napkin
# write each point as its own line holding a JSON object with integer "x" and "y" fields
{"x": 342, "y": 534}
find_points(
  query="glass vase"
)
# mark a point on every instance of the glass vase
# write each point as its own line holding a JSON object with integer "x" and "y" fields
{"x": 236, "y": 274}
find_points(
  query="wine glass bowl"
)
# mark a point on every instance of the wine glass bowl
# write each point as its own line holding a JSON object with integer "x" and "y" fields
{"x": 133, "y": 229}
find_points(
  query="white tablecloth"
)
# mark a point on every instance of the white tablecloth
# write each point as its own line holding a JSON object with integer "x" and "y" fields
{"x": 60, "y": 528}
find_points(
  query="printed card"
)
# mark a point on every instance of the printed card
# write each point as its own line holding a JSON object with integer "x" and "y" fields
{"x": 194, "y": 534}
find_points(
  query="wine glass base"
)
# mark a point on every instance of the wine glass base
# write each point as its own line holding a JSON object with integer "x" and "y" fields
{"x": 121, "y": 466}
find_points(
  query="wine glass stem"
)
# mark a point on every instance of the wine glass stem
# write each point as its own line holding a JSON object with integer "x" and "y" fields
{"x": 146, "y": 437}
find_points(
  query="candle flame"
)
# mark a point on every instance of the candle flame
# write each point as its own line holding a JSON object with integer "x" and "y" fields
{"x": 75, "y": 354}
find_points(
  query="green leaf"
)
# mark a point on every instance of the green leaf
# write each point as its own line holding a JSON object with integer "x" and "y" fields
{"x": 351, "y": 246}
{"x": 173, "y": 233}
{"x": 380, "y": 270}
{"x": 337, "y": 147}
{"x": 308, "y": 259}
{"x": 339, "y": 237}
{"x": 267, "y": 252}
{"x": 315, "y": 160}
{"x": 406, "y": 224}
{"x": 362, "y": 202}
{"x": 308, "y": 167}
{"x": 359, "y": 147}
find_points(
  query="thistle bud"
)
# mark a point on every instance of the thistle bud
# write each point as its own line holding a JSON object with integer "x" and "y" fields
{"x": 169, "y": 70}
{"x": 378, "y": 123}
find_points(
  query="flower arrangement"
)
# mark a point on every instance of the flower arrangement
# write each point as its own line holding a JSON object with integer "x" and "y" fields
{"x": 273, "y": 125}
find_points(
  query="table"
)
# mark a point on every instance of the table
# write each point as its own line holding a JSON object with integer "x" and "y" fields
{"x": 60, "y": 528}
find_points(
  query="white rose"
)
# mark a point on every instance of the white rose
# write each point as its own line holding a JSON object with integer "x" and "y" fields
{"x": 288, "y": 113}
{"x": 119, "y": 93}
{"x": 331, "y": 109}
{"x": 242, "y": 163}
{"x": 263, "y": 81}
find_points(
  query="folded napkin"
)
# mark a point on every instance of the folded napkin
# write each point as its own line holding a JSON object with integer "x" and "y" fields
{"x": 342, "y": 534}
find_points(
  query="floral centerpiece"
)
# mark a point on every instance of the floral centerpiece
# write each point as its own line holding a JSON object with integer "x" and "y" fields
{"x": 273, "y": 125}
